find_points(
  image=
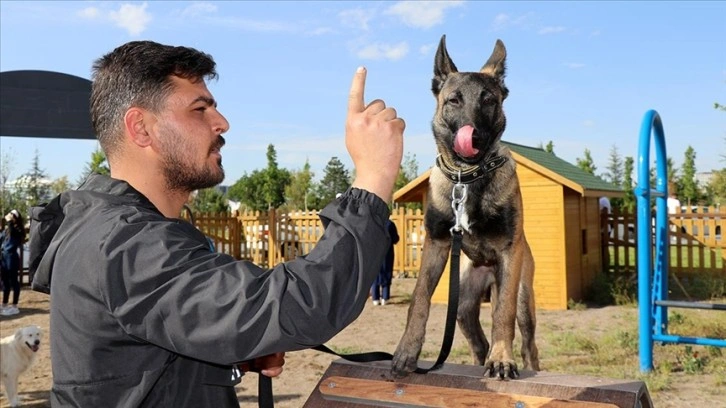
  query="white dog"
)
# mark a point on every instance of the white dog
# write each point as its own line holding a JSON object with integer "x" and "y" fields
{"x": 17, "y": 353}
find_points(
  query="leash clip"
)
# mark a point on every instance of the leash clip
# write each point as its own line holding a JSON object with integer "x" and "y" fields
{"x": 458, "y": 197}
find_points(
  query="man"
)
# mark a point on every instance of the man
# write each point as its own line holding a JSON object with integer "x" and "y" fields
{"x": 142, "y": 312}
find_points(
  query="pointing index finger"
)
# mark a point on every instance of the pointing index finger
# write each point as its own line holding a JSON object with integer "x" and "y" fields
{"x": 355, "y": 99}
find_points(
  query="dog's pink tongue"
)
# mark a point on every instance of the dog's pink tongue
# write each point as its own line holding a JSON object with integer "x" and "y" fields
{"x": 463, "y": 144}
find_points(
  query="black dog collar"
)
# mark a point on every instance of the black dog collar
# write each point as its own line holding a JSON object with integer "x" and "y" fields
{"x": 469, "y": 173}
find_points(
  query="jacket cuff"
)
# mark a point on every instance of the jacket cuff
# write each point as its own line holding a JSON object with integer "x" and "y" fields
{"x": 378, "y": 207}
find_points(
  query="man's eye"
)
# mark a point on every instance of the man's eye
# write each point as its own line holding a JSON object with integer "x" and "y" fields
{"x": 201, "y": 108}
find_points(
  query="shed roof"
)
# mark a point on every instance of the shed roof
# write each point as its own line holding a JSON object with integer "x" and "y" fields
{"x": 563, "y": 171}
{"x": 538, "y": 160}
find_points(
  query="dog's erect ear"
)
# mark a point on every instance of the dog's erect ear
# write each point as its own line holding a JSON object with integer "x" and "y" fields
{"x": 496, "y": 64}
{"x": 443, "y": 66}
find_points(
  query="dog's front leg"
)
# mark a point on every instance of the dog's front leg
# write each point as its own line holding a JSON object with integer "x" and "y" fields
{"x": 501, "y": 359}
{"x": 11, "y": 391}
{"x": 435, "y": 255}
{"x": 473, "y": 286}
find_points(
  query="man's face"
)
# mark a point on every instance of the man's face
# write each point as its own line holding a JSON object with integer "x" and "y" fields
{"x": 189, "y": 131}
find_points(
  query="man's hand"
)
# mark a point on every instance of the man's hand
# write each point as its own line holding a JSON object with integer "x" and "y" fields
{"x": 374, "y": 139}
{"x": 270, "y": 365}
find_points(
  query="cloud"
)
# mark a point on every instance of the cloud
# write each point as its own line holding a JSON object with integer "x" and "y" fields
{"x": 320, "y": 31}
{"x": 198, "y": 8}
{"x": 90, "y": 13}
{"x": 504, "y": 21}
{"x": 574, "y": 65}
{"x": 383, "y": 51}
{"x": 356, "y": 18}
{"x": 254, "y": 25}
{"x": 550, "y": 30}
{"x": 588, "y": 123}
{"x": 426, "y": 48}
{"x": 131, "y": 17}
{"x": 421, "y": 14}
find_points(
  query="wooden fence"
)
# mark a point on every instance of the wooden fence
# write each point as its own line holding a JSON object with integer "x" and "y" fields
{"x": 697, "y": 244}
{"x": 267, "y": 238}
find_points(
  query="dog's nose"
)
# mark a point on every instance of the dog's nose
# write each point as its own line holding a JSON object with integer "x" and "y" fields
{"x": 37, "y": 342}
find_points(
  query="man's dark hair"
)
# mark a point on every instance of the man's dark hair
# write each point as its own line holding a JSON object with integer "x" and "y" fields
{"x": 138, "y": 74}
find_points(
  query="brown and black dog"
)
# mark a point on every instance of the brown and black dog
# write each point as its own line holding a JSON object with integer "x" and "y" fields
{"x": 467, "y": 127}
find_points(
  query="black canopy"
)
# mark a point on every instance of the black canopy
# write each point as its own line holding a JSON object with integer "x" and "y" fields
{"x": 45, "y": 104}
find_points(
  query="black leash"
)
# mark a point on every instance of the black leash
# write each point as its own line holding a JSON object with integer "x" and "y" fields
{"x": 448, "y": 327}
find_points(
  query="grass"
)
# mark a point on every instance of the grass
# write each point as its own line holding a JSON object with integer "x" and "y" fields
{"x": 578, "y": 345}
{"x": 615, "y": 354}
{"x": 705, "y": 258}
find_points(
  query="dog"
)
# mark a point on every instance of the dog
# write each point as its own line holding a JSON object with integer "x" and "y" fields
{"x": 17, "y": 354}
{"x": 468, "y": 124}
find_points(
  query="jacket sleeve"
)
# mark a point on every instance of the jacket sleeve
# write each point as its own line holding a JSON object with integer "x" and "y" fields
{"x": 168, "y": 289}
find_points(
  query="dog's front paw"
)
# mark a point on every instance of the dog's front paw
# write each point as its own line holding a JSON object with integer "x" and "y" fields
{"x": 404, "y": 363}
{"x": 501, "y": 369}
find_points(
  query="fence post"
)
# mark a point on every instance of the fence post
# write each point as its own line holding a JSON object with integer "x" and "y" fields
{"x": 271, "y": 238}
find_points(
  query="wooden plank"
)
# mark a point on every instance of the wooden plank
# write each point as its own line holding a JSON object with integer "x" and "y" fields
{"x": 392, "y": 394}
{"x": 463, "y": 378}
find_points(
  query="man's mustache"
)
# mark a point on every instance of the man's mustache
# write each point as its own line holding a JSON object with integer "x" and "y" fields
{"x": 218, "y": 144}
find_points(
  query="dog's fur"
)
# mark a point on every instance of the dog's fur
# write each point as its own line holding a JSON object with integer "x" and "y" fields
{"x": 17, "y": 353}
{"x": 495, "y": 252}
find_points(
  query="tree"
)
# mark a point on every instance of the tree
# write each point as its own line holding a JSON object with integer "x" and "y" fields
{"x": 671, "y": 170}
{"x": 335, "y": 180}
{"x": 275, "y": 180}
{"x": 586, "y": 163}
{"x": 298, "y": 193}
{"x": 60, "y": 185}
{"x": 716, "y": 188}
{"x": 263, "y": 189}
{"x": 614, "y": 169}
{"x": 628, "y": 201}
{"x": 248, "y": 190}
{"x": 689, "y": 191}
{"x": 37, "y": 186}
{"x": 549, "y": 148}
{"x": 209, "y": 200}
{"x": 98, "y": 164}
{"x": 10, "y": 197}
{"x": 407, "y": 172}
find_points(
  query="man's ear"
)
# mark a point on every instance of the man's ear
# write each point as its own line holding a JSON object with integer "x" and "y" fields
{"x": 137, "y": 123}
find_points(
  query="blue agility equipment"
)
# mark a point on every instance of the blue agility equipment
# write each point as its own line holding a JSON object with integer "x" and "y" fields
{"x": 653, "y": 300}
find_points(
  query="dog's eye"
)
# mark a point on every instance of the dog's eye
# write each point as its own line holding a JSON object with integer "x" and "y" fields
{"x": 453, "y": 100}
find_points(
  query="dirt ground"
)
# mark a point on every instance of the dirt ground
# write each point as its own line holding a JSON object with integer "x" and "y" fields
{"x": 379, "y": 328}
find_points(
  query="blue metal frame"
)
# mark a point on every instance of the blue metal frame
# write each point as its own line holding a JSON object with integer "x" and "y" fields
{"x": 653, "y": 317}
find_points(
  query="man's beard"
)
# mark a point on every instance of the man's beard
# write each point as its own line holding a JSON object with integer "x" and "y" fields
{"x": 181, "y": 176}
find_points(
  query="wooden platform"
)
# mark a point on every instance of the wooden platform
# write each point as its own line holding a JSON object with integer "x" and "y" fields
{"x": 349, "y": 385}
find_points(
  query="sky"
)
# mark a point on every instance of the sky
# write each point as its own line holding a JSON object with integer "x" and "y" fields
{"x": 580, "y": 74}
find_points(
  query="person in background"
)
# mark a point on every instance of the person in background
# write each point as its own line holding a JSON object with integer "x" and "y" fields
{"x": 381, "y": 289}
{"x": 143, "y": 312}
{"x": 673, "y": 203}
{"x": 12, "y": 243}
{"x": 605, "y": 230}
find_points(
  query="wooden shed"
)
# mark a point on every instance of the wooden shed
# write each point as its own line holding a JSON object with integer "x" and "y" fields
{"x": 561, "y": 222}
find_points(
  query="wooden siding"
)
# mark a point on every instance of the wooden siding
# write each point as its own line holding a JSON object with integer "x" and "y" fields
{"x": 573, "y": 210}
{"x": 544, "y": 228}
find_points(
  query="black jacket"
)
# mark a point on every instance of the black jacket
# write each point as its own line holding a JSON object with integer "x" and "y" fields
{"x": 144, "y": 314}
